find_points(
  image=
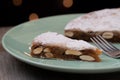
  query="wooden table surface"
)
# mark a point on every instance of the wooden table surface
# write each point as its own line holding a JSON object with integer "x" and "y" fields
{"x": 13, "y": 69}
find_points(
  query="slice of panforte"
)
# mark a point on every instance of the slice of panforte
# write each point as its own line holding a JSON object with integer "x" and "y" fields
{"x": 54, "y": 45}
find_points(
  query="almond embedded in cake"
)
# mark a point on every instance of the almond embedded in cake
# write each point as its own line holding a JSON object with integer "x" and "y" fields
{"x": 54, "y": 45}
{"x": 104, "y": 22}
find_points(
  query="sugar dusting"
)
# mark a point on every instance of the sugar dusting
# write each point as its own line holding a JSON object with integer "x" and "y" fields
{"x": 53, "y": 38}
{"x": 101, "y": 20}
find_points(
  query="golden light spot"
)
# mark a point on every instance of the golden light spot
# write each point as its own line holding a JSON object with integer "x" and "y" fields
{"x": 67, "y": 3}
{"x": 33, "y": 16}
{"x": 17, "y": 2}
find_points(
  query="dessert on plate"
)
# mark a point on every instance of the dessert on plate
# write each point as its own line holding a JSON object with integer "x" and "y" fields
{"x": 54, "y": 45}
{"x": 105, "y": 22}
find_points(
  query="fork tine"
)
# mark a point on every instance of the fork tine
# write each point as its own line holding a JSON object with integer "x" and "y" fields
{"x": 107, "y": 43}
{"x": 106, "y": 51}
{"x": 108, "y": 48}
{"x": 97, "y": 43}
{"x": 118, "y": 54}
{"x": 104, "y": 43}
{"x": 114, "y": 54}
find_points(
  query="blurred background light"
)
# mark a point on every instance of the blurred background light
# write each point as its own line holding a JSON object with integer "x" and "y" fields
{"x": 33, "y": 16}
{"x": 14, "y": 12}
{"x": 67, "y": 3}
{"x": 17, "y": 2}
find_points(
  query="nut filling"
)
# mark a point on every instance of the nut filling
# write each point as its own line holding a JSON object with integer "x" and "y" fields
{"x": 66, "y": 54}
{"x": 112, "y": 36}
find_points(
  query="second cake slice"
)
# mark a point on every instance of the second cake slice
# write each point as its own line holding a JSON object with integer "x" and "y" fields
{"x": 54, "y": 45}
{"x": 105, "y": 22}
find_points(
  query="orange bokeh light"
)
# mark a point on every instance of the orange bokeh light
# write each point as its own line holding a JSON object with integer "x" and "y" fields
{"x": 67, "y": 3}
{"x": 17, "y": 2}
{"x": 33, "y": 16}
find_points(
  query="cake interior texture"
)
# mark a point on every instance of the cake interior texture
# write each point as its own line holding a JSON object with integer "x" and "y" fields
{"x": 54, "y": 45}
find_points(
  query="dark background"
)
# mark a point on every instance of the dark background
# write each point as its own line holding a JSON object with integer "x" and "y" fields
{"x": 12, "y": 13}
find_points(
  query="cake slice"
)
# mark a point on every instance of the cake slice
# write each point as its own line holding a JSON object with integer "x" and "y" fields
{"x": 54, "y": 45}
{"x": 105, "y": 22}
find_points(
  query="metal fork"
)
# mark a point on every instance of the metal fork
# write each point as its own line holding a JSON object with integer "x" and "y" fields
{"x": 107, "y": 47}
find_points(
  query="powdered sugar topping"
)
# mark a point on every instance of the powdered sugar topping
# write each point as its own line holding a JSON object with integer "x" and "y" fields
{"x": 102, "y": 20}
{"x": 53, "y": 38}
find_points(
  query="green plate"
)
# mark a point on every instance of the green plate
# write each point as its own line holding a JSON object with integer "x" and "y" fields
{"x": 17, "y": 40}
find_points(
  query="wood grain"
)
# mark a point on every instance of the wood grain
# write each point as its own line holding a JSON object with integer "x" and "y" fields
{"x": 13, "y": 69}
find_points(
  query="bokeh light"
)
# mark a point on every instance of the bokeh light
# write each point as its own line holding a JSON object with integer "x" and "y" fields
{"x": 33, "y": 16}
{"x": 17, "y": 2}
{"x": 67, "y": 3}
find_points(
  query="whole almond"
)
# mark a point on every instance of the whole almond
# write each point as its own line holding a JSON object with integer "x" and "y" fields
{"x": 49, "y": 55}
{"x": 73, "y": 52}
{"x": 107, "y": 35}
{"x": 86, "y": 58}
{"x": 69, "y": 33}
{"x": 37, "y": 50}
{"x": 47, "y": 50}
